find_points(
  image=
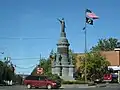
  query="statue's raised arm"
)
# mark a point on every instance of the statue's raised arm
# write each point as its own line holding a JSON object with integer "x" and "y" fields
{"x": 59, "y": 20}
{"x": 62, "y": 24}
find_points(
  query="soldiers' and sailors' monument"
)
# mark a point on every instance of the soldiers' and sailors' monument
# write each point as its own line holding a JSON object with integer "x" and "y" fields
{"x": 62, "y": 64}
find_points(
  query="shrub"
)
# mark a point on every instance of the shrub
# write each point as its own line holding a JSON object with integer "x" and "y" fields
{"x": 55, "y": 77}
{"x": 74, "y": 82}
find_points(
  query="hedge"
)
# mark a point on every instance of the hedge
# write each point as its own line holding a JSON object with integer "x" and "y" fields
{"x": 74, "y": 82}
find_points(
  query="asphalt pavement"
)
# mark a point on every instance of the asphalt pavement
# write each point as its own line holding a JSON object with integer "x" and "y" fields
{"x": 68, "y": 87}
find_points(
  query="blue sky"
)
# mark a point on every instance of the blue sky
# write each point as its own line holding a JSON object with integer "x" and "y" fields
{"x": 35, "y": 30}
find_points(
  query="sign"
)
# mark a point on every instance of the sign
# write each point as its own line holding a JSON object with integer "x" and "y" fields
{"x": 39, "y": 70}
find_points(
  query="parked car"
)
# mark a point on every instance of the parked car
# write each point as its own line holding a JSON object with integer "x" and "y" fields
{"x": 40, "y": 81}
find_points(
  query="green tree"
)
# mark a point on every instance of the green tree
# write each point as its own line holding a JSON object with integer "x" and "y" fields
{"x": 6, "y": 71}
{"x": 95, "y": 64}
{"x": 52, "y": 52}
{"x": 105, "y": 44}
{"x": 46, "y": 65}
{"x": 73, "y": 56}
{"x": 1, "y": 70}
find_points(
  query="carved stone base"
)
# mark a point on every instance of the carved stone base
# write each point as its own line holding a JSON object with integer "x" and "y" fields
{"x": 67, "y": 71}
{"x": 67, "y": 78}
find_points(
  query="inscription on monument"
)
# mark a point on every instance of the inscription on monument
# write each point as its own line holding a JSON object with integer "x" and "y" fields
{"x": 62, "y": 50}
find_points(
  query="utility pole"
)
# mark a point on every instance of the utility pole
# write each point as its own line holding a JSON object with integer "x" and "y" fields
{"x": 117, "y": 49}
{"x": 119, "y": 70}
{"x": 40, "y": 59}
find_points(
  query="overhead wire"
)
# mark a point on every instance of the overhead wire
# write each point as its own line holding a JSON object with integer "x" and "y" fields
{"x": 20, "y": 67}
{"x": 25, "y": 67}
{"x": 17, "y": 66}
{"x": 23, "y": 38}
{"x": 23, "y": 58}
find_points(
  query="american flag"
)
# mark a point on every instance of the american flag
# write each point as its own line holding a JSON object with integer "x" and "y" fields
{"x": 92, "y": 15}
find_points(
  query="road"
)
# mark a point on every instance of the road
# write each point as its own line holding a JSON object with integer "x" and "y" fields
{"x": 99, "y": 87}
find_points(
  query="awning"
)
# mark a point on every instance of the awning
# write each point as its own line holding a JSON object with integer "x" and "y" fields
{"x": 115, "y": 68}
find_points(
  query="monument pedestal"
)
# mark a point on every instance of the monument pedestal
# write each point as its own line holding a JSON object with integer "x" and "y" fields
{"x": 56, "y": 70}
{"x": 67, "y": 72}
{"x": 53, "y": 70}
{"x": 67, "y": 78}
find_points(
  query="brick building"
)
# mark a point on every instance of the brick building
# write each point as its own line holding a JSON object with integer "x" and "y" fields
{"x": 111, "y": 56}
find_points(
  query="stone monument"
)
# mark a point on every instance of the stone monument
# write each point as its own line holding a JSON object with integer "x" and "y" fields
{"x": 63, "y": 65}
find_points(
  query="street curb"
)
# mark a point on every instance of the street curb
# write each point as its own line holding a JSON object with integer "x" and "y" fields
{"x": 101, "y": 86}
{"x": 77, "y": 86}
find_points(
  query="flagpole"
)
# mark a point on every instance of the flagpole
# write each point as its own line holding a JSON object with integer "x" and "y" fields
{"x": 93, "y": 16}
{"x": 85, "y": 32}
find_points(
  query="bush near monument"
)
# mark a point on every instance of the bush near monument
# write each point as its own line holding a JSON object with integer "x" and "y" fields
{"x": 74, "y": 82}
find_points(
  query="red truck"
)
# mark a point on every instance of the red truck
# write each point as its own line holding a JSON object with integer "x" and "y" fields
{"x": 41, "y": 81}
{"x": 107, "y": 77}
{"x": 112, "y": 77}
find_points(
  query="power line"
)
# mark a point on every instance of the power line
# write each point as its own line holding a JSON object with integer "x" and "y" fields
{"x": 23, "y": 38}
{"x": 14, "y": 59}
{"x": 24, "y": 58}
{"x": 25, "y": 67}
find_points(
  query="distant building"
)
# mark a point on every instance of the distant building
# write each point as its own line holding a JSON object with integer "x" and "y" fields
{"x": 111, "y": 56}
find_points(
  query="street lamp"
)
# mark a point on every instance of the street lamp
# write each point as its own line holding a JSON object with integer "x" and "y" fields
{"x": 117, "y": 49}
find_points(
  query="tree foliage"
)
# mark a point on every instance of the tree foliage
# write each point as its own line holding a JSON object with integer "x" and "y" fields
{"x": 6, "y": 71}
{"x": 46, "y": 65}
{"x": 96, "y": 65}
{"x": 73, "y": 56}
{"x": 105, "y": 44}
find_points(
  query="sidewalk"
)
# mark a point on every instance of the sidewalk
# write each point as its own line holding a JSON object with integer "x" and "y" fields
{"x": 76, "y": 86}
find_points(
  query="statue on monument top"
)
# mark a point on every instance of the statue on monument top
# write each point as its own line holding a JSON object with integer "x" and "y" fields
{"x": 62, "y": 24}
